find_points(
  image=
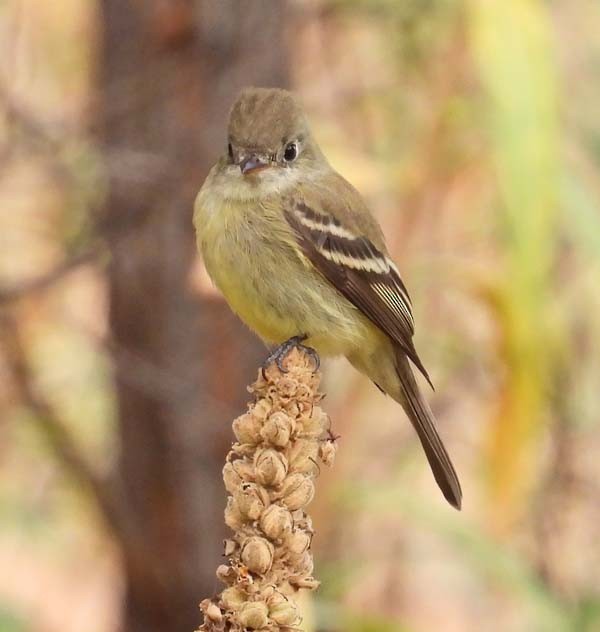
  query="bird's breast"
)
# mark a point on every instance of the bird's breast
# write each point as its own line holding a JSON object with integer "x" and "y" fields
{"x": 250, "y": 252}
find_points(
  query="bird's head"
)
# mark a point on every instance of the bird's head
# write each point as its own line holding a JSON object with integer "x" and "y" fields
{"x": 269, "y": 142}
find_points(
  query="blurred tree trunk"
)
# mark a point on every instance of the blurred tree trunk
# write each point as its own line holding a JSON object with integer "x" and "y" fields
{"x": 169, "y": 71}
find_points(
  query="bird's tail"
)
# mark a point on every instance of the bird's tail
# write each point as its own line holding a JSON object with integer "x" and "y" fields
{"x": 422, "y": 419}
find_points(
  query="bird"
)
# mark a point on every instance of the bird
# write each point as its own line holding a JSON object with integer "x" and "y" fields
{"x": 300, "y": 258}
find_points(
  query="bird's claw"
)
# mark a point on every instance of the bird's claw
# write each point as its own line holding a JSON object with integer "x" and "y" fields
{"x": 278, "y": 354}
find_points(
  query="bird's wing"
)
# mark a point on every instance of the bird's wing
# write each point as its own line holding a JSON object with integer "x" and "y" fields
{"x": 359, "y": 270}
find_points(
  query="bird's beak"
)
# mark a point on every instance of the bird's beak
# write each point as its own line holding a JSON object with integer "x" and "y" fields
{"x": 252, "y": 164}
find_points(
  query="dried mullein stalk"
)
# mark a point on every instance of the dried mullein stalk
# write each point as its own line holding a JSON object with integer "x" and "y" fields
{"x": 270, "y": 477}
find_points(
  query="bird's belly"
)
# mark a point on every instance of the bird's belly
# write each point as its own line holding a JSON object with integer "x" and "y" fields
{"x": 278, "y": 297}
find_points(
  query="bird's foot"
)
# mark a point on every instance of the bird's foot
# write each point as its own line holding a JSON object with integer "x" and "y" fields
{"x": 279, "y": 353}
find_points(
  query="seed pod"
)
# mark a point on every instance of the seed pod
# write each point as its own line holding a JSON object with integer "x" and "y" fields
{"x": 303, "y": 456}
{"x": 287, "y": 387}
{"x": 226, "y": 574}
{"x": 275, "y": 522}
{"x": 257, "y": 554}
{"x": 304, "y": 563}
{"x": 230, "y": 547}
{"x": 327, "y": 452}
{"x": 234, "y": 518}
{"x": 310, "y": 583}
{"x": 303, "y": 392}
{"x": 231, "y": 478}
{"x": 305, "y": 408}
{"x": 298, "y": 542}
{"x": 297, "y": 491}
{"x": 270, "y": 476}
{"x": 302, "y": 521}
{"x": 284, "y": 613}
{"x": 247, "y": 429}
{"x": 232, "y": 599}
{"x": 316, "y": 423}
{"x": 244, "y": 469}
{"x": 213, "y": 613}
{"x": 273, "y": 596}
{"x": 293, "y": 409}
{"x": 271, "y": 467}
{"x": 251, "y": 500}
{"x": 253, "y": 615}
{"x": 261, "y": 409}
{"x": 278, "y": 429}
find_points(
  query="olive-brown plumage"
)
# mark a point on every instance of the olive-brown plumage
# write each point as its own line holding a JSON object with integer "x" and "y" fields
{"x": 295, "y": 251}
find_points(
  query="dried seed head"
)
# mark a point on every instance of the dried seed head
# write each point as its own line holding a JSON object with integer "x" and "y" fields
{"x": 233, "y": 598}
{"x": 270, "y": 475}
{"x": 247, "y": 429}
{"x": 271, "y": 467}
{"x": 257, "y": 554}
{"x": 297, "y": 491}
{"x": 234, "y": 518}
{"x": 303, "y": 455}
{"x": 251, "y": 500}
{"x": 275, "y": 522}
{"x": 278, "y": 429}
{"x": 253, "y": 615}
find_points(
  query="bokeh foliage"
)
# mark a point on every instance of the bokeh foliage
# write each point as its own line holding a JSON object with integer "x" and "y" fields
{"x": 471, "y": 127}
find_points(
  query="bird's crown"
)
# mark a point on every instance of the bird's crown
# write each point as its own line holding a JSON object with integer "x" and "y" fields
{"x": 265, "y": 119}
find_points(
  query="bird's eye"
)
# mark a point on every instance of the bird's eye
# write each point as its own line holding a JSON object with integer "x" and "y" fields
{"x": 290, "y": 153}
{"x": 230, "y": 151}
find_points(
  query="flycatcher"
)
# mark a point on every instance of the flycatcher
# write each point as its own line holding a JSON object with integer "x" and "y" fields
{"x": 300, "y": 258}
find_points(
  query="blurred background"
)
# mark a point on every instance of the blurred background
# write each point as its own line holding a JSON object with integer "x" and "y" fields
{"x": 472, "y": 129}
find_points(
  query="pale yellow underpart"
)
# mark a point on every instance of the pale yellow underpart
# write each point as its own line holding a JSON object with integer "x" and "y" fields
{"x": 252, "y": 255}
